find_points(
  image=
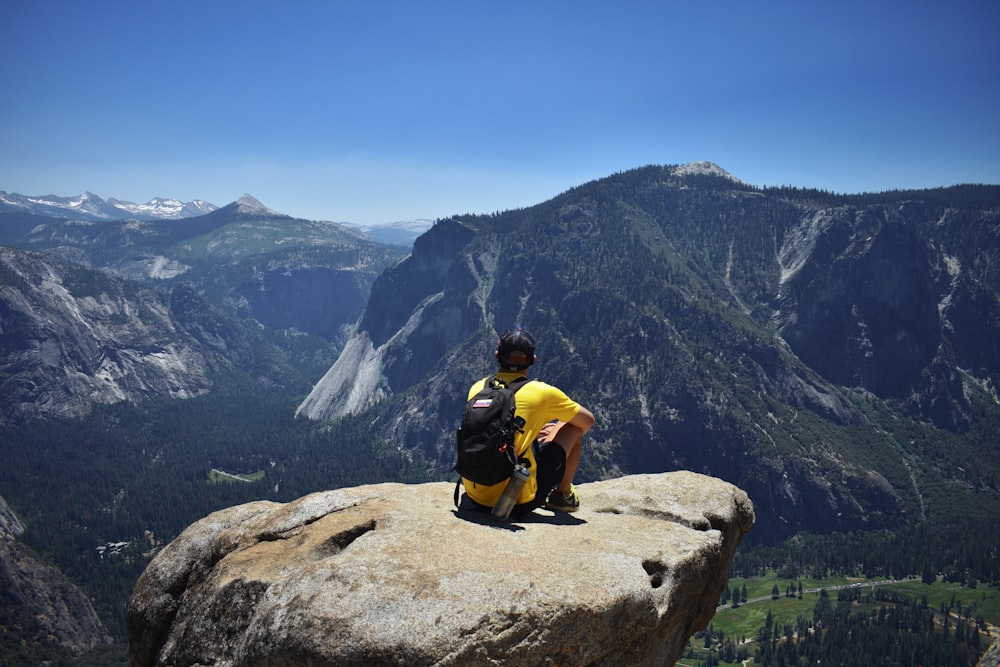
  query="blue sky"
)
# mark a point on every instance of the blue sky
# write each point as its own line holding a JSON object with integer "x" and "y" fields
{"x": 379, "y": 111}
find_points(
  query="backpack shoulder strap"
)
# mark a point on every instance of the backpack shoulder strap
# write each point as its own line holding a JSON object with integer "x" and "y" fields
{"x": 516, "y": 383}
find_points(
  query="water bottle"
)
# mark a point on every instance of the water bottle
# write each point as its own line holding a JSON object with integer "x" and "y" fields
{"x": 511, "y": 493}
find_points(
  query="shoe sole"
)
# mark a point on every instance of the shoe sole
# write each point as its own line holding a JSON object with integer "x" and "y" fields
{"x": 566, "y": 510}
{"x": 561, "y": 508}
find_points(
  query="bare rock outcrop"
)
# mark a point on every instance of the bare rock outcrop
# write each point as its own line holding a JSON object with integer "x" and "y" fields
{"x": 992, "y": 656}
{"x": 392, "y": 574}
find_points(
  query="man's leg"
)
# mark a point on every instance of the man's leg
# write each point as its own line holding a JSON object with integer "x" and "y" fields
{"x": 570, "y": 438}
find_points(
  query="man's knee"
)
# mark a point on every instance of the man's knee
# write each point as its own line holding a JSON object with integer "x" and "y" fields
{"x": 569, "y": 437}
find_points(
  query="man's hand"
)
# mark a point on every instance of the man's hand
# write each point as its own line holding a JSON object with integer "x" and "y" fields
{"x": 549, "y": 431}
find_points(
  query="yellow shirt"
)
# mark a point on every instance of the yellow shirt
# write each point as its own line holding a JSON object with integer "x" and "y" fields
{"x": 537, "y": 404}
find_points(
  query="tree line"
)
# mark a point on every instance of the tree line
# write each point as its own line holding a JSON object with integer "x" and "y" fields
{"x": 878, "y": 627}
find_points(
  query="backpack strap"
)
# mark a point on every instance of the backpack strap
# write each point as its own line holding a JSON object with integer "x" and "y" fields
{"x": 514, "y": 384}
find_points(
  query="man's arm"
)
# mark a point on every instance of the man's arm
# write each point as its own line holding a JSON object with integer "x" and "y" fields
{"x": 583, "y": 420}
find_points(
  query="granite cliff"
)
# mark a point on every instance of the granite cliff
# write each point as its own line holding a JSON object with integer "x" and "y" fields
{"x": 393, "y": 574}
{"x": 73, "y": 338}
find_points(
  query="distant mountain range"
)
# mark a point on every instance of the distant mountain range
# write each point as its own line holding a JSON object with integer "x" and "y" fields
{"x": 91, "y": 207}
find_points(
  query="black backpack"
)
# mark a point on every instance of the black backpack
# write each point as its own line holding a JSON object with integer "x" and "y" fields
{"x": 485, "y": 440}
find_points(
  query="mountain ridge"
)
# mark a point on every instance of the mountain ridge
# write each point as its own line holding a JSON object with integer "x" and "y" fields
{"x": 89, "y": 206}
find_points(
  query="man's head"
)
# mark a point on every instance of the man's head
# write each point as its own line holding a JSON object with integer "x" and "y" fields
{"x": 516, "y": 349}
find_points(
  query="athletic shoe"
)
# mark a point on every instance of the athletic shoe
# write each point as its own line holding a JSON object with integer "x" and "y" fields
{"x": 557, "y": 502}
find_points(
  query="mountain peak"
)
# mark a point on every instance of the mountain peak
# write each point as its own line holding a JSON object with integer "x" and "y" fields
{"x": 704, "y": 167}
{"x": 250, "y": 204}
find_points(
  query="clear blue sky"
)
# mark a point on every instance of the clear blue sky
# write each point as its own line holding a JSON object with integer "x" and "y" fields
{"x": 373, "y": 111}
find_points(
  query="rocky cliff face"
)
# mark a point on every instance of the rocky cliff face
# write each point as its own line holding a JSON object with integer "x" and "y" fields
{"x": 73, "y": 338}
{"x": 871, "y": 298}
{"x": 391, "y": 574}
{"x": 39, "y": 599}
{"x": 419, "y": 309}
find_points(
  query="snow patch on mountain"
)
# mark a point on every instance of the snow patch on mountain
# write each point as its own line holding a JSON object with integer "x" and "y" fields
{"x": 89, "y": 206}
{"x": 165, "y": 209}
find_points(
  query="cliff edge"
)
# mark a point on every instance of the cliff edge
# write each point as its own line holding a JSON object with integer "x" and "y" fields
{"x": 392, "y": 574}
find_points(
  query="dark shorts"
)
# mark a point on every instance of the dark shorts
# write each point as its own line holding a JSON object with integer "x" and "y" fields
{"x": 550, "y": 458}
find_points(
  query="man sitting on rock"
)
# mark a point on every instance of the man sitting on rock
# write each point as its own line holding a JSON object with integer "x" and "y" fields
{"x": 552, "y": 437}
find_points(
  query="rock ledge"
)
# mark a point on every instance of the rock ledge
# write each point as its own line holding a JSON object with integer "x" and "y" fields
{"x": 392, "y": 574}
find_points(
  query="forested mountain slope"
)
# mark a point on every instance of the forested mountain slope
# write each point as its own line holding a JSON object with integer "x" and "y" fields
{"x": 835, "y": 356}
